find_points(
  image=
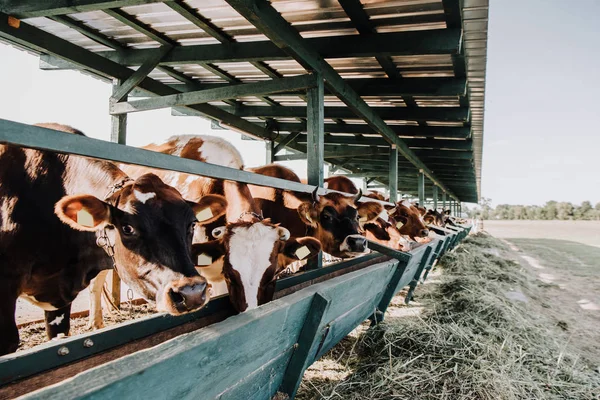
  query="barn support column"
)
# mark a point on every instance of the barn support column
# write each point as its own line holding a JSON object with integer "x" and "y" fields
{"x": 444, "y": 200}
{"x": 315, "y": 147}
{"x": 435, "y": 197}
{"x": 393, "y": 174}
{"x": 421, "y": 184}
{"x": 118, "y": 134}
{"x": 270, "y": 153}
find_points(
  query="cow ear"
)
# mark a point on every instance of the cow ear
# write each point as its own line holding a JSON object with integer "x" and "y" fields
{"x": 83, "y": 212}
{"x": 209, "y": 208}
{"x": 204, "y": 254}
{"x": 308, "y": 214}
{"x": 369, "y": 210}
{"x": 302, "y": 248}
{"x": 447, "y": 212}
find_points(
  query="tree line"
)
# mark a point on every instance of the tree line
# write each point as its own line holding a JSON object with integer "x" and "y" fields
{"x": 552, "y": 210}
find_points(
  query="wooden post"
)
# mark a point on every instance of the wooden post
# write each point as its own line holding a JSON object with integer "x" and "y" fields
{"x": 435, "y": 197}
{"x": 444, "y": 200}
{"x": 315, "y": 147}
{"x": 118, "y": 134}
{"x": 270, "y": 154}
{"x": 421, "y": 184}
{"x": 393, "y": 174}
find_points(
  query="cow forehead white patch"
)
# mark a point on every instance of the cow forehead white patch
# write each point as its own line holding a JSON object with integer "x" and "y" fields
{"x": 405, "y": 203}
{"x": 143, "y": 197}
{"x": 250, "y": 250}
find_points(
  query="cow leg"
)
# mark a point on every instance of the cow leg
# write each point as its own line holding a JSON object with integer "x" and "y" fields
{"x": 9, "y": 339}
{"x": 96, "y": 287}
{"x": 58, "y": 321}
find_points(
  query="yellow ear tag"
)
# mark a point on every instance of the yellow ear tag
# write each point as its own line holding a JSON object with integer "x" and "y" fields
{"x": 362, "y": 219}
{"x": 399, "y": 225}
{"x": 84, "y": 218}
{"x": 302, "y": 252}
{"x": 204, "y": 259}
{"x": 204, "y": 214}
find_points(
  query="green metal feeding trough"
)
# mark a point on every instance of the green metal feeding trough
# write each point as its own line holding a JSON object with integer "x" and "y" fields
{"x": 390, "y": 92}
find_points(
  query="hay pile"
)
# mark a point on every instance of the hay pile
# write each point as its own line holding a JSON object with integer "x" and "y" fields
{"x": 471, "y": 343}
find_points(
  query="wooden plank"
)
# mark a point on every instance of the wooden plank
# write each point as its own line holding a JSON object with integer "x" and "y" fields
{"x": 392, "y": 113}
{"x": 401, "y": 130}
{"x": 315, "y": 145}
{"x": 415, "y": 280}
{"x": 437, "y": 41}
{"x": 393, "y": 174}
{"x": 32, "y": 9}
{"x": 216, "y": 94}
{"x": 421, "y": 188}
{"x": 226, "y": 353}
{"x": 283, "y": 142}
{"x": 305, "y": 347}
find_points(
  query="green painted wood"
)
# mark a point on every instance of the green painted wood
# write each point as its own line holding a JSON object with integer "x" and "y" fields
{"x": 425, "y": 113}
{"x": 283, "y": 142}
{"x": 45, "y": 356}
{"x": 434, "y": 256}
{"x": 212, "y": 361}
{"x": 141, "y": 27}
{"x": 374, "y": 87}
{"x": 216, "y": 94}
{"x": 421, "y": 188}
{"x": 415, "y": 280}
{"x": 389, "y": 293}
{"x": 423, "y": 131}
{"x": 31, "y": 9}
{"x": 91, "y": 33}
{"x": 440, "y": 41}
{"x": 269, "y": 153}
{"x": 398, "y": 255}
{"x": 435, "y": 197}
{"x": 118, "y": 123}
{"x": 393, "y": 174}
{"x": 315, "y": 148}
{"x": 201, "y": 22}
{"x": 48, "y": 139}
{"x": 341, "y": 152}
{"x": 308, "y": 338}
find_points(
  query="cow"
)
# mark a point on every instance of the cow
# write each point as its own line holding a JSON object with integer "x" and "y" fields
{"x": 434, "y": 217}
{"x": 245, "y": 256}
{"x": 333, "y": 218}
{"x": 409, "y": 220}
{"x": 243, "y": 259}
{"x": 64, "y": 218}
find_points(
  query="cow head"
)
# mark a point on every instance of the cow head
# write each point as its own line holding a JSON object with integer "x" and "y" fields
{"x": 434, "y": 217}
{"x": 409, "y": 220}
{"x": 150, "y": 227}
{"x": 334, "y": 220}
{"x": 249, "y": 253}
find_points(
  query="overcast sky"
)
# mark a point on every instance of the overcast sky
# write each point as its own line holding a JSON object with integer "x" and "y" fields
{"x": 541, "y": 137}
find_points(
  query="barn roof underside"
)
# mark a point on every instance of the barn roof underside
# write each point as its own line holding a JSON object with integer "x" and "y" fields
{"x": 404, "y": 72}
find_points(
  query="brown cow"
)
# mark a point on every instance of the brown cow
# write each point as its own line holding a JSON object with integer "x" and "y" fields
{"x": 245, "y": 256}
{"x": 434, "y": 217}
{"x": 333, "y": 219}
{"x": 409, "y": 220}
{"x": 55, "y": 208}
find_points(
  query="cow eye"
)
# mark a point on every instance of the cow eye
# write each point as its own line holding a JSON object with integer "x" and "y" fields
{"x": 128, "y": 230}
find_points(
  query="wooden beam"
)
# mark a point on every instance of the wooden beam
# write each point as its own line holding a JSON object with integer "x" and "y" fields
{"x": 201, "y": 22}
{"x": 221, "y": 93}
{"x": 393, "y": 174}
{"x": 438, "y": 41}
{"x": 421, "y": 188}
{"x": 139, "y": 26}
{"x": 47, "y": 8}
{"x": 139, "y": 75}
{"x": 400, "y": 130}
{"x": 343, "y": 151}
{"x": 379, "y": 113}
{"x": 285, "y": 141}
{"x": 43, "y": 42}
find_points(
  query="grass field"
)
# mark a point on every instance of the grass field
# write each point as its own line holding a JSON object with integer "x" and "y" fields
{"x": 586, "y": 232}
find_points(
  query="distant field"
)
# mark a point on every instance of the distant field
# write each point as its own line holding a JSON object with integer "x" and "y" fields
{"x": 586, "y": 232}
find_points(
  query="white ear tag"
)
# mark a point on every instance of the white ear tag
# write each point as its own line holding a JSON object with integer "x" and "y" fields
{"x": 84, "y": 218}
{"x": 307, "y": 215}
{"x": 204, "y": 214}
{"x": 399, "y": 225}
{"x": 204, "y": 259}
{"x": 302, "y": 252}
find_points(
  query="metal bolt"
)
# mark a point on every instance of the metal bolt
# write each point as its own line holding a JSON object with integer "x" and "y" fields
{"x": 88, "y": 343}
{"x": 63, "y": 351}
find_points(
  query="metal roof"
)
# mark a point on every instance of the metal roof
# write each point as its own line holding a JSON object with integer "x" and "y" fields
{"x": 418, "y": 64}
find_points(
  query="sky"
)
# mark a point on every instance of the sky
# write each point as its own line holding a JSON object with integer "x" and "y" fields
{"x": 541, "y": 138}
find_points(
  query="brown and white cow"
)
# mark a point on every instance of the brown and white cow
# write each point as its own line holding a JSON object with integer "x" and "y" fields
{"x": 333, "y": 218}
{"x": 55, "y": 208}
{"x": 434, "y": 217}
{"x": 245, "y": 257}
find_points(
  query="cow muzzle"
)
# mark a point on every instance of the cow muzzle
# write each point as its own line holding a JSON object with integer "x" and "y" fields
{"x": 355, "y": 244}
{"x": 186, "y": 294}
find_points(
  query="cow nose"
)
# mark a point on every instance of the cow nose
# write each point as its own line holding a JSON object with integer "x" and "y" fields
{"x": 424, "y": 233}
{"x": 357, "y": 243}
{"x": 189, "y": 297}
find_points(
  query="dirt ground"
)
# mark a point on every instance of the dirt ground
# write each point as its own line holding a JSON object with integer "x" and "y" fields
{"x": 585, "y": 232}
